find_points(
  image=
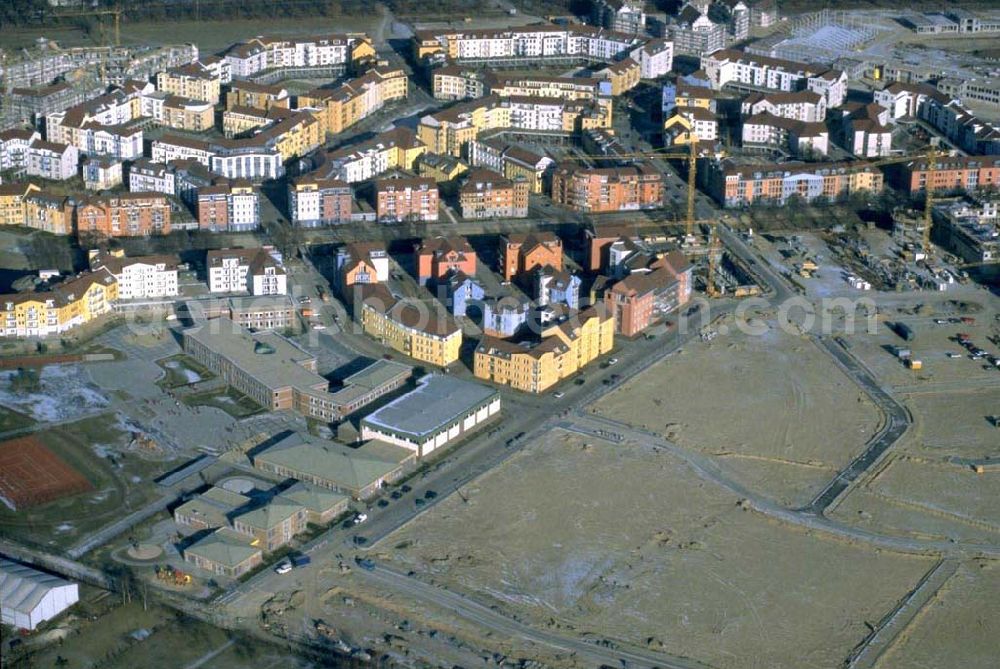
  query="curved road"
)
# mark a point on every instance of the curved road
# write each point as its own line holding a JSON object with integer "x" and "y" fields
{"x": 489, "y": 619}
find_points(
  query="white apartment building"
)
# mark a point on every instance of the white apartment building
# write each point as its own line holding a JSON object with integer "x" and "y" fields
{"x": 265, "y": 53}
{"x": 173, "y": 147}
{"x": 49, "y": 160}
{"x": 143, "y": 277}
{"x": 145, "y": 176}
{"x": 730, "y": 66}
{"x": 14, "y": 148}
{"x": 655, "y": 58}
{"x": 256, "y": 164}
{"x": 800, "y": 137}
{"x": 903, "y": 100}
{"x": 530, "y": 43}
{"x": 244, "y": 209}
{"x": 245, "y": 270}
{"x": 807, "y": 106}
{"x": 704, "y": 122}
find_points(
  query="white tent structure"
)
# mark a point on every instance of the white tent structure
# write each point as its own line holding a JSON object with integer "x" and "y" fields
{"x": 29, "y": 597}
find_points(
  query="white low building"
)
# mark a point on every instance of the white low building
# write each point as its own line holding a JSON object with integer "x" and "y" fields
{"x": 142, "y": 277}
{"x": 440, "y": 410}
{"x": 253, "y": 271}
{"x": 29, "y": 597}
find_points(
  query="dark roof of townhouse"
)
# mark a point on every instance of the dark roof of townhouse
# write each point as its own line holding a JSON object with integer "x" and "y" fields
{"x": 482, "y": 179}
{"x": 530, "y": 240}
{"x": 399, "y": 183}
{"x": 430, "y": 318}
{"x": 443, "y": 245}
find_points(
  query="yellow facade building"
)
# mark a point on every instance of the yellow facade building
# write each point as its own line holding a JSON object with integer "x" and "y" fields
{"x": 623, "y": 75}
{"x": 565, "y": 347}
{"x": 191, "y": 81}
{"x": 69, "y": 305}
{"x": 421, "y": 331}
{"x": 48, "y": 213}
{"x": 12, "y": 207}
{"x": 358, "y": 98}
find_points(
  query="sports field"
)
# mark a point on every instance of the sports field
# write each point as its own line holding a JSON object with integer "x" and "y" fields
{"x": 31, "y": 474}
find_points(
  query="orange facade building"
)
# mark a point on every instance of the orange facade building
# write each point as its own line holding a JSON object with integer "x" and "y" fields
{"x": 522, "y": 253}
{"x": 608, "y": 188}
{"x": 438, "y": 256}
{"x": 126, "y": 215}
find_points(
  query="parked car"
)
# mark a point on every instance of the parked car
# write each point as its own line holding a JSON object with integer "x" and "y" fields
{"x": 365, "y": 563}
{"x": 299, "y": 559}
{"x": 559, "y": 394}
{"x": 283, "y": 567}
{"x": 360, "y": 518}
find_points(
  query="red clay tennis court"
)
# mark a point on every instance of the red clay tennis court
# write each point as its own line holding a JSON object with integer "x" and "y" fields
{"x": 31, "y": 474}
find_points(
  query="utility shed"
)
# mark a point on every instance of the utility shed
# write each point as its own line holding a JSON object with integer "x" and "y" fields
{"x": 29, "y": 597}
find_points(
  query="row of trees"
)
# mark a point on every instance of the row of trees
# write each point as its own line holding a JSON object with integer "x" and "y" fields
{"x": 40, "y": 13}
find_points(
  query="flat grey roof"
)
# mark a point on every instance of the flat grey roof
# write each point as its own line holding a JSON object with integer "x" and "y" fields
{"x": 436, "y": 402}
{"x": 377, "y": 374}
{"x": 279, "y": 368}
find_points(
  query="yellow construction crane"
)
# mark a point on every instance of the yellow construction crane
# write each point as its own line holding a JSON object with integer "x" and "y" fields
{"x": 931, "y": 157}
{"x": 691, "y": 156}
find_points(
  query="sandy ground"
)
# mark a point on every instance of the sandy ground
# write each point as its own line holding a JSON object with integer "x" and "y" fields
{"x": 626, "y": 543}
{"x": 960, "y": 627}
{"x": 774, "y": 410}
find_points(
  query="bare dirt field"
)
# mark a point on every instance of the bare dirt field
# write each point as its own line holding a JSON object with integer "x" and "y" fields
{"x": 626, "y": 543}
{"x": 959, "y": 628}
{"x": 774, "y": 410}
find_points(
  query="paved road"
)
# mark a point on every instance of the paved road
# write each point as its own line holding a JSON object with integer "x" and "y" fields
{"x": 487, "y": 618}
{"x": 898, "y": 421}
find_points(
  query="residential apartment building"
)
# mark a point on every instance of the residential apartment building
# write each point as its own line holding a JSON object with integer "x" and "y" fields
{"x": 145, "y": 176}
{"x": 140, "y": 277}
{"x": 180, "y": 113}
{"x": 14, "y": 149}
{"x": 961, "y": 126}
{"x": 734, "y": 185}
{"x": 357, "y": 98}
{"x": 798, "y": 137}
{"x": 49, "y": 160}
{"x": 623, "y": 75}
{"x": 649, "y": 287}
{"x": 253, "y": 271}
{"x": 406, "y": 199}
{"x": 361, "y": 263}
{"x": 564, "y": 347}
{"x": 524, "y": 44}
{"x": 557, "y": 287}
{"x": 603, "y": 189}
{"x": 12, "y": 202}
{"x": 655, "y": 58}
{"x": 694, "y": 33}
{"x": 448, "y": 131}
{"x": 439, "y": 257}
{"x": 125, "y": 215}
{"x": 102, "y": 173}
{"x": 487, "y": 194}
{"x": 864, "y": 130}
{"x": 328, "y": 54}
{"x": 398, "y": 148}
{"x": 807, "y": 106}
{"x": 314, "y": 202}
{"x": 232, "y": 206}
{"x": 733, "y": 67}
{"x": 70, "y": 304}
{"x": 257, "y": 96}
{"x": 690, "y": 124}
{"x": 624, "y": 16}
{"x": 512, "y": 161}
{"x": 192, "y": 81}
{"x": 970, "y": 173}
{"x": 904, "y": 100}
{"x": 50, "y": 213}
{"x": 417, "y": 330}
{"x": 520, "y": 254}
